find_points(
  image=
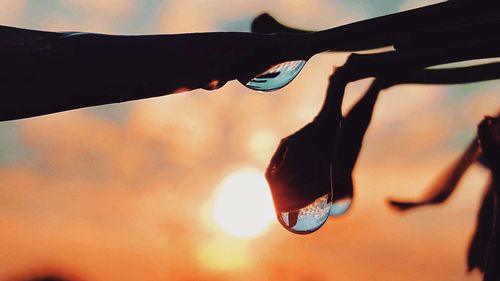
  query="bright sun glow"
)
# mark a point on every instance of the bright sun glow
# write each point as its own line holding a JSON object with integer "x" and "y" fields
{"x": 243, "y": 206}
{"x": 221, "y": 253}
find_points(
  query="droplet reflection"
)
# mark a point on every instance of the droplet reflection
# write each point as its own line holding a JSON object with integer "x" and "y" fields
{"x": 276, "y": 77}
{"x": 309, "y": 218}
{"x": 340, "y": 207}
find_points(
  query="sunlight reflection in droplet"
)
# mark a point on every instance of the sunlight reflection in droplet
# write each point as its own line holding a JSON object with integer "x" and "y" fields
{"x": 276, "y": 77}
{"x": 309, "y": 218}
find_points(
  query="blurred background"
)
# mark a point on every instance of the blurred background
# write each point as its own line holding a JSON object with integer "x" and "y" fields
{"x": 154, "y": 189}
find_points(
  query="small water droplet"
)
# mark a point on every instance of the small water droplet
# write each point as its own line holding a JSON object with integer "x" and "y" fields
{"x": 276, "y": 77}
{"x": 307, "y": 219}
{"x": 340, "y": 207}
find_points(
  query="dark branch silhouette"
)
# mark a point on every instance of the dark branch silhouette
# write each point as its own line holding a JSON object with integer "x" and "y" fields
{"x": 418, "y": 27}
{"x": 301, "y": 159}
{"x": 476, "y": 257}
{"x": 445, "y": 183}
{"x": 46, "y": 72}
{"x": 298, "y": 172}
{"x": 489, "y": 138}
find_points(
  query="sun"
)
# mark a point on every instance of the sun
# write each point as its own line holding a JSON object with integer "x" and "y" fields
{"x": 243, "y": 206}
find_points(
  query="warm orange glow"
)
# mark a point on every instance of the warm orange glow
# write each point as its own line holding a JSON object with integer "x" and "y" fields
{"x": 262, "y": 144}
{"x": 133, "y": 192}
{"x": 243, "y": 206}
{"x": 224, "y": 254}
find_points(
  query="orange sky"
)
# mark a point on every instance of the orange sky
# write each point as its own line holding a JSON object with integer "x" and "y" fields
{"x": 120, "y": 192}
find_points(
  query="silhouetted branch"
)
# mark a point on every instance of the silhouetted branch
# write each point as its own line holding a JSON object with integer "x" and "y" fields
{"x": 457, "y": 75}
{"x": 489, "y": 138}
{"x": 446, "y": 182}
{"x": 476, "y": 257}
{"x": 45, "y": 72}
{"x": 299, "y": 171}
{"x": 402, "y": 28}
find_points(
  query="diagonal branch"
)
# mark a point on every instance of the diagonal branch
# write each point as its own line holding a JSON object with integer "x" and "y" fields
{"x": 445, "y": 184}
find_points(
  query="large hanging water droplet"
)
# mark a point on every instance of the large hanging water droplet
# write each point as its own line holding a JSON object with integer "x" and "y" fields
{"x": 309, "y": 218}
{"x": 276, "y": 77}
{"x": 340, "y": 207}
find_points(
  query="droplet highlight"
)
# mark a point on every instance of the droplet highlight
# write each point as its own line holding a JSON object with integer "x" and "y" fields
{"x": 276, "y": 77}
{"x": 72, "y": 34}
{"x": 214, "y": 84}
{"x": 309, "y": 218}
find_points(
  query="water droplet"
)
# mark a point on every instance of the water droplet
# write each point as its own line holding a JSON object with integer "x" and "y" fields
{"x": 307, "y": 219}
{"x": 276, "y": 77}
{"x": 340, "y": 207}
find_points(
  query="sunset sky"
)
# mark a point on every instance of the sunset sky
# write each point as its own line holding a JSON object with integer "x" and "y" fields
{"x": 132, "y": 191}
